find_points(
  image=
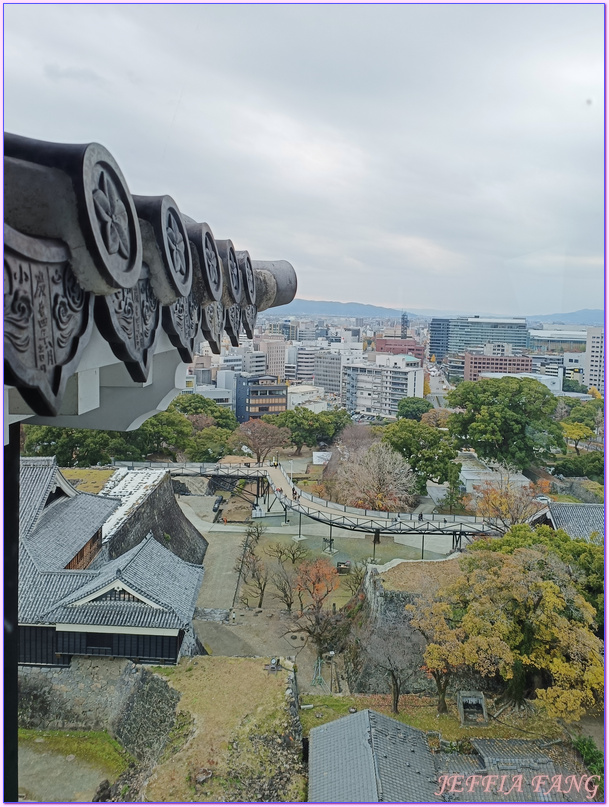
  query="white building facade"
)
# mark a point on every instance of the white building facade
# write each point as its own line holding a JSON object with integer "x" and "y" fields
{"x": 378, "y": 388}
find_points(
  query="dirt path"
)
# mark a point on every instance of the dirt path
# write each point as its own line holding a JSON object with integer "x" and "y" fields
{"x": 47, "y": 776}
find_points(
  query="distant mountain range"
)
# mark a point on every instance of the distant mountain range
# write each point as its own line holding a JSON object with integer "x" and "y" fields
{"x": 585, "y": 316}
{"x": 327, "y": 308}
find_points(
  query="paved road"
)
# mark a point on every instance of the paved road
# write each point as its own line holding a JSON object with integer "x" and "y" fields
{"x": 218, "y": 588}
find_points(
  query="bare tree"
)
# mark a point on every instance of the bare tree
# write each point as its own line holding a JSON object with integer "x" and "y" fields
{"x": 260, "y": 437}
{"x": 296, "y": 552}
{"x": 378, "y": 478}
{"x": 254, "y": 533}
{"x": 355, "y": 578}
{"x": 258, "y": 576}
{"x": 394, "y": 647}
{"x": 278, "y": 551}
{"x": 327, "y": 628}
{"x": 507, "y": 502}
{"x": 284, "y": 581}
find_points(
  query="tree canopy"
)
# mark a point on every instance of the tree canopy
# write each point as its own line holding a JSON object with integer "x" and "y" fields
{"x": 571, "y": 385}
{"x": 413, "y": 408}
{"x": 586, "y": 558}
{"x": 260, "y": 437}
{"x": 377, "y": 478}
{"x": 309, "y": 428}
{"x": 429, "y": 452}
{"x": 192, "y": 424}
{"x": 192, "y": 404}
{"x": 576, "y": 432}
{"x": 518, "y": 616}
{"x": 507, "y": 502}
{"x": 591, "y": 465}
{"x": 208, "y": 445}
{"x": 79, "y": 447}
{"x": 505, "y": 419}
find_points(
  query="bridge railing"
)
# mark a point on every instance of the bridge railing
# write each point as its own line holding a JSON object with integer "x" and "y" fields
{"x": 360, "y": 513}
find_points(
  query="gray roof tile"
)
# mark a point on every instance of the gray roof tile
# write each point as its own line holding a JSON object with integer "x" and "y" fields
{"x": 148, "y": 569}
{"x": 368, "y": 757}
{"x": 578, "y": 520}
{"x": 65, "y": 527}
{"x": 36, "y": 480}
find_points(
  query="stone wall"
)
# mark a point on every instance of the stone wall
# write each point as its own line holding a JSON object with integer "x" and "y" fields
{"x": 576, "y": 486}
{"x": 159, "y": 513}
{"x": 133, "y": 704}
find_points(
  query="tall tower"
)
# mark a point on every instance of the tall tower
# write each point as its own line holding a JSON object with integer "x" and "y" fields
{"x": 405, "y": 324}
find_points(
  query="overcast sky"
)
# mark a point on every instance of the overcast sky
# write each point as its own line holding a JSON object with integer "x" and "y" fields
{"x": 413, "y": 156}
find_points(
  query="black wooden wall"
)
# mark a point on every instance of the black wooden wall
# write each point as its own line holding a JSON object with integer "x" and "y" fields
{"x": 44, "y": 645}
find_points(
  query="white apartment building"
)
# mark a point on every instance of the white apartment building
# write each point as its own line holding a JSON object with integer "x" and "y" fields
{"x": 378, "y": 388}
{"x": 594, "y": 372}
{"x": 310, "y": 397}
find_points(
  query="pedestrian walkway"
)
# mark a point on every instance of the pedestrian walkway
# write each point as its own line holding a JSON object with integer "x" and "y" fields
{"x": 351, "y": 518}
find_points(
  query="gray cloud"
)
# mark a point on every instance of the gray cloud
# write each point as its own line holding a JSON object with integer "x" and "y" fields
{"x": 416, "y": 156}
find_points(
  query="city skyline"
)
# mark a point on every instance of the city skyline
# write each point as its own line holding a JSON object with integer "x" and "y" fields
{"x": 412, "y": 156}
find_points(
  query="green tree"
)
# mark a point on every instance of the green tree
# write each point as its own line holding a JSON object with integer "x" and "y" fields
{"x": 585, "y": 558}
{"x": 79, "y": 447}
{"x": 518, "y": 616}
{"x": 164, "y": 434}
{"x": 429, "y": 452}
{"x": 505, "y": 419}
{"x": 571, "y": 385}
{"x": 413, "y": 408}
{"x": 591, "y": 465}
{"x": 586, "y": 413}
{"x": 575, "y": 432}
{"x": 309, "y": 428}
{"x": 208, "y": 445}
{"x": 189, "y": 404}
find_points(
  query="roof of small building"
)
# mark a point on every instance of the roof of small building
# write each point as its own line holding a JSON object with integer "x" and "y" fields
{"x": 511, "y": 766}
{"x": 368, "y": 757}
{"x": 577, "y": 520}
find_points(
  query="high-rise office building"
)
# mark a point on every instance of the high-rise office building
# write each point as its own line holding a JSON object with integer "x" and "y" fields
{"x": 594, "y": 373}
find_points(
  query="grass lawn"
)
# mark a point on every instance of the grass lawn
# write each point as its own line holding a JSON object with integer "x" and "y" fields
{"x": 421, "y": 713}
{"x": 94, "y": 747}
{"x": 88, "y": 480}
{"x": 237, "y": 729}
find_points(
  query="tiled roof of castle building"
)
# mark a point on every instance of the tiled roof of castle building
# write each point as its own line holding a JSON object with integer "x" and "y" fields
{"x": 511, "y": 767}
{"x": 65, "y": 527}
{"x": 36, "y": 480}
{"x": 368, "y": 757}
{"x": 167, "y": 586}
{"x": 578, "y": 520}
{"x": 147, "y": 587}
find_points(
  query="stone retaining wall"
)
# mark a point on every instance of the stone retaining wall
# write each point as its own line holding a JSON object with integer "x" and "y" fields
{"x": 133, "y": 704}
